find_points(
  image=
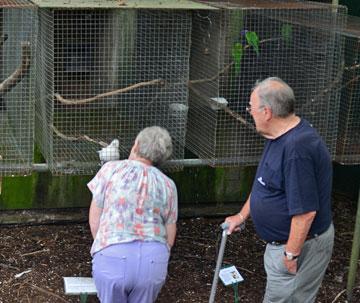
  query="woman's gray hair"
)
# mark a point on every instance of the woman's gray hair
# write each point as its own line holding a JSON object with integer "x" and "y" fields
{"x": 154, "y": 144}
{"x": 276, "y": 94}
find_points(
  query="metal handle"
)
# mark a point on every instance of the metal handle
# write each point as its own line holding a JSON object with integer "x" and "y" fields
{"x": 224, "y": 226}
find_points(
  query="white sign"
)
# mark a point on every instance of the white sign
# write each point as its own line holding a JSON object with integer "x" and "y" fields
{"x": 79, "y": 285}
{"x": 230, "y": 275}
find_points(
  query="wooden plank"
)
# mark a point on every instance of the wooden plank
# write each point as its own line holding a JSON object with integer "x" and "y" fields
{"x": 266, "y": 4}
{"x": 80, "y": 215}
{"x": 125, "y": 4}
{"x": 44, "y": 216}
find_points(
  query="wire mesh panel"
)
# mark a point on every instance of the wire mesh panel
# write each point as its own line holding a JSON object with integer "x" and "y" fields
{"x": 246, "y": 41}
{"x": 106, "y": 74}
{"x": 17, "y": 44}
{"x": 348, "y": 145}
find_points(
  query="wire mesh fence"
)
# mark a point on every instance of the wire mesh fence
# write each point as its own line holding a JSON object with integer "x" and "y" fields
{"x": 106, "y": 74}
{"x": 242, "y": 43}
{"x": 348, "y": 144}
{"x": 17, "y": 45}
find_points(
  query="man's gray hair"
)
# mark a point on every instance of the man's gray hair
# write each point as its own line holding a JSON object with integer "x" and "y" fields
{"x": 154, "y": 144}
{"x": 276, "y": 94}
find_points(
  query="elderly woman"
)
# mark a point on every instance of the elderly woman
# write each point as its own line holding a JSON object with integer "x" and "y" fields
{"x": 132, "y": 219}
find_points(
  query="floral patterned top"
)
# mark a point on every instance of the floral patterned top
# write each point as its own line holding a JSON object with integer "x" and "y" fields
{"x": 138, "y": 200}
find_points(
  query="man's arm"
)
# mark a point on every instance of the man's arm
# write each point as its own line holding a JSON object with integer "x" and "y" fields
{"x": 94, "y": 218}
{"x": 235, "y": 220}
{"x": 171, "y": 233}
{"x": 300, "y": 226}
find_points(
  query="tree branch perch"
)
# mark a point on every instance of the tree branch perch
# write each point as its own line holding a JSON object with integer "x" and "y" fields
{"x": 79, "y": 138}
{"x": 108, "y": 94}
{"x": 9, "y": 83}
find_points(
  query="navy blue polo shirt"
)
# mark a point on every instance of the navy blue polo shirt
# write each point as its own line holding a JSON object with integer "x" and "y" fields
{"x": 294, "y": 177}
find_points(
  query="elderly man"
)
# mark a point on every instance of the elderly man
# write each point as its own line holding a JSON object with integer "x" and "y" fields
{"x": 290, "y": 200}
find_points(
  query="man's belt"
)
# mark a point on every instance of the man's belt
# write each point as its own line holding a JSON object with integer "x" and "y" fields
{"x": 283, "y": 242}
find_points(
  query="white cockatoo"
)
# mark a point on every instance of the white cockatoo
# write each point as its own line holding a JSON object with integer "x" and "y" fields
{"x": 110, "y": 152}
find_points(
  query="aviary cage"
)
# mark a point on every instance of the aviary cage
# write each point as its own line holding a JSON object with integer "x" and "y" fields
{"x": 106, "y": 71}
{"x": 348, "y": 144}
{"x": 17, "y": 44}
{"x": 245, "y": 41}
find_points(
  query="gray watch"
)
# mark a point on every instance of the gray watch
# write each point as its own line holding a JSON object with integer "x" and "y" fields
{"x": 290, "y": 256}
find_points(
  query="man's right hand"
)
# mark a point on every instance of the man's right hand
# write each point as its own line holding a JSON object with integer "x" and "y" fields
{"x": 234, "y": 223}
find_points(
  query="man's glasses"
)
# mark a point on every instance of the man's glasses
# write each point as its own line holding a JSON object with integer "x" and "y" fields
{"x": 249, "y": 109}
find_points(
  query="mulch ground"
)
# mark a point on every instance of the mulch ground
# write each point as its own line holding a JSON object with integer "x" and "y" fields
{"x": 50, "y": 252}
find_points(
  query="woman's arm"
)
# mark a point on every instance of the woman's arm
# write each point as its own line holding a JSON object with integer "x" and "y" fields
{"x": 171, "y": 233}
{"x": 94, "y": 218}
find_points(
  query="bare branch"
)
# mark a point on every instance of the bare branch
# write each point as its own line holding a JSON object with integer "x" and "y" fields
{"x": 356, "y": 66}
{"x": 334, "y": 86}
{"x": 238, "y": 117}
{"x": 79, "y": 138}
{"x": 36, "y": 252}
{"x": 225, "y": 108}
{"x": 44, "y": 291}
{"x": 338, "y": 295}
{"x": 108, "y": 94}
{"x": 8, "y": 84}
{"x": 8, "y": 266}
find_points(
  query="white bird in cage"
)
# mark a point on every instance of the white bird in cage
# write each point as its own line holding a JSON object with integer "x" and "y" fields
{"x": 110, "y": 152}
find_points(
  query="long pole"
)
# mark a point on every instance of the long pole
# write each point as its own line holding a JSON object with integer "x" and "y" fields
{"x": 44, "y": 167}
{"x": 354, "y": 254}
{"x": 224, "y": 226}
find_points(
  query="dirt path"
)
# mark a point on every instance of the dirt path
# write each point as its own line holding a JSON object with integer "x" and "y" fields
{"x": 51, "y": 252}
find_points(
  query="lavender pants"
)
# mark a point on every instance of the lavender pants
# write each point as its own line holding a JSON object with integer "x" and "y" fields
{"x": 130, "y": 272}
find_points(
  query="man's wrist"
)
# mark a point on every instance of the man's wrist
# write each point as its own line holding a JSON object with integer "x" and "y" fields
{"x": 242, "y": 221}
{"x": 242, "y": 218}
{"x": 290, "y": 256}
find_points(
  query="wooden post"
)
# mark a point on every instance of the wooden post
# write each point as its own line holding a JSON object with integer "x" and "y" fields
{"x": 354, "y": 254}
